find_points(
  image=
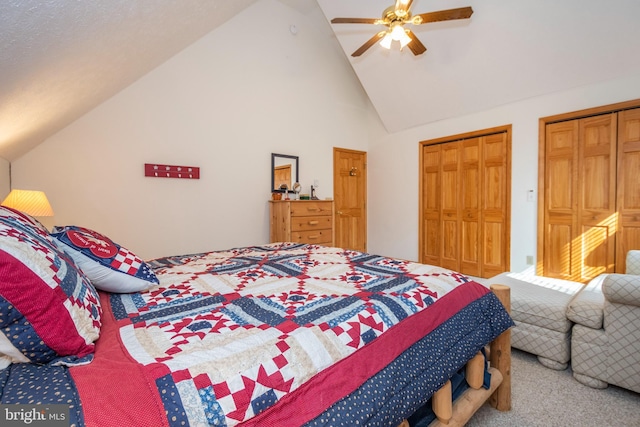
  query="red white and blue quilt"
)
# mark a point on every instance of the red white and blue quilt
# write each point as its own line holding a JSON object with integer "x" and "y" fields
{"x": 283, "y": 335}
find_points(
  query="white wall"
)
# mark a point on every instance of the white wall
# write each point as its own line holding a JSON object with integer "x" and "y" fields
{"x": 394, "y": 159}
{"x": 223, "y": 104}
{"x": 230, "y": 100}
{"x": 5, "y": 179}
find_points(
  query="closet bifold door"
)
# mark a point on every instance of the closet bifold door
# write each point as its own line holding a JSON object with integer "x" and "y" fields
{"x": 597, "y": 182}
{"x": 440, "y": 205}
{"x": 628, "y": 235}
{"x": 430, "y": 181}
{"x": 560, "y": 201}
{"x": 495, "y": 204}
{"x": 470, "y": 214}
{"x": 580, "y": 198}
{"x": 465, "y": 203}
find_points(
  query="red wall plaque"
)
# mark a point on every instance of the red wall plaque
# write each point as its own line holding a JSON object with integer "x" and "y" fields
{"x": 170, "y": 171}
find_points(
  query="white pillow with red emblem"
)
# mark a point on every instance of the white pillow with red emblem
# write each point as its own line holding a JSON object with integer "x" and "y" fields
{"x": 109, "y": 266}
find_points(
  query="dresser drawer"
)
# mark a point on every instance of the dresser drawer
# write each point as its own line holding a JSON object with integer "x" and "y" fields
{"x": 316, "y": 237}
{"x": 316, "y": 222}
{"x": 307, "y": 208}
{"x": 302, "y": 221}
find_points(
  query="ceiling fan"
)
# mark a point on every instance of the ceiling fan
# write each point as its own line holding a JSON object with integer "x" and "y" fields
{"x": 394, "y": 17}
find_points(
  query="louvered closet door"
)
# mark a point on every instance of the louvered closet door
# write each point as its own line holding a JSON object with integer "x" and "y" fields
{"x": 628, "y": 236}
{"x": 580, "y": 202}
{"x": 465, "y": 205}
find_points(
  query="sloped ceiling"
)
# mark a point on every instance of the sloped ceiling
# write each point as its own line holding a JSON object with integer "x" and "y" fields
{"x": 507, "y": 51}
{"x": 61, "y": 58}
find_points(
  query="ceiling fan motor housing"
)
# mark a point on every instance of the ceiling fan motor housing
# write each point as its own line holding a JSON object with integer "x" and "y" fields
{"x": 394, "y": 17}
{"x": 390, "y": 16}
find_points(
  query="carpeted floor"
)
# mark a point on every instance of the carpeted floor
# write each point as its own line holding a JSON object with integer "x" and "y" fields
{"x": 547, "y": 398}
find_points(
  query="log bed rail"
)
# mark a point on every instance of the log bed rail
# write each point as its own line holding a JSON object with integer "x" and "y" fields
{"x": 458, "y": 413}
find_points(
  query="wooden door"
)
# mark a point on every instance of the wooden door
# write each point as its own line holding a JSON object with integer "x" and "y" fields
{"x": 350, "y": 195}
{"x": 449, "y": 195}
{"x": 441, "y": 204}
{"x": 465, "y": 202}
{"x": 470, "y": 215}
{"x": 597, "y": 185}
{"x": 431, "y": 231}
{"x": 282, "y": 176}
{"x": 628, "y": 197}
{"x": 496, "y": 204}
{"x": 579, "y": 198}
{"x": 561, "y": 205}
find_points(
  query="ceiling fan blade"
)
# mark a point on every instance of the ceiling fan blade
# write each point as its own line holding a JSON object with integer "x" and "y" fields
{"x": 443, "y": 15}
{"x": 402, "y": 6}
{"x": 415, "y": 45}
{"x": 362, "y": 49}
{"x": 354, "y": 20}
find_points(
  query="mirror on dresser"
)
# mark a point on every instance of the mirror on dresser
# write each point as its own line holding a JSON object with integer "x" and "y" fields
{"x": 284, "y": 171}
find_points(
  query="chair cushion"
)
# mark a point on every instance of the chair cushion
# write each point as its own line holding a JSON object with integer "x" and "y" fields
{"x": 552, "y": 345}
{"x": 622, "y": 289}
{"x": 587, "y": 307}
{"x": 539, "y": 301}
{"x": 633, "y": 262}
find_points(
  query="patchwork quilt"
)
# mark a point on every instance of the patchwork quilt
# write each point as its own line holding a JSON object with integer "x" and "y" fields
{"x": 283, "y": 334}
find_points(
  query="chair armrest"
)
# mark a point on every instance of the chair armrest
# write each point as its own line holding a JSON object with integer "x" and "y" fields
{"x": 622, "y": 289}
{"x": 633, "y": 262}
{"x": 587, "y": 307}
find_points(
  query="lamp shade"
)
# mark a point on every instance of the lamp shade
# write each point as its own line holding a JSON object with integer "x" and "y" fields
{"x": 31, "y": 202}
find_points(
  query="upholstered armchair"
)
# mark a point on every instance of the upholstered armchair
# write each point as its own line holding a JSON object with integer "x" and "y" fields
{"x": 605, "y": 342}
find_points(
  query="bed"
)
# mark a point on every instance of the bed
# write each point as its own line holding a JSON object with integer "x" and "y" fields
{"x": 282, "y": 334}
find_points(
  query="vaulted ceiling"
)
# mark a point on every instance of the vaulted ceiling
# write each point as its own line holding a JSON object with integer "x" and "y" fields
{"x": 61, "y": 58}
{"x": 507, "y": 51}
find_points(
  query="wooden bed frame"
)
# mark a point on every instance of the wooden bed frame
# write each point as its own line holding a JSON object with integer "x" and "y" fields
{"x": 458, "y": 413}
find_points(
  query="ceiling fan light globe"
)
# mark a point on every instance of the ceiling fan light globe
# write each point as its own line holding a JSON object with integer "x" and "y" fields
{"x": 404, "y": 40}
{"x": 397, "y": 32}
{"x": 386, "y": 41}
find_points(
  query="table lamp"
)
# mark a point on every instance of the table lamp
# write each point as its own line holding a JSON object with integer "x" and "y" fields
{"x": 34, "y": 203}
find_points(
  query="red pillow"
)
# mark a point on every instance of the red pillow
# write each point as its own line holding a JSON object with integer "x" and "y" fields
{"x": 49, "y": 311}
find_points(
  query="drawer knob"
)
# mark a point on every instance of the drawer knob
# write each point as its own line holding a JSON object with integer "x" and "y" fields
{"x": 313, "y": 222}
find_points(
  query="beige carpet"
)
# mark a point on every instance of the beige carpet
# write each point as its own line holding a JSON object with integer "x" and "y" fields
{"x": 547, "y": 398}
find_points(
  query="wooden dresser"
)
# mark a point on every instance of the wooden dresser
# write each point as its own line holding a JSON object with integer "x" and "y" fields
{"x": 302, "y": 221}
